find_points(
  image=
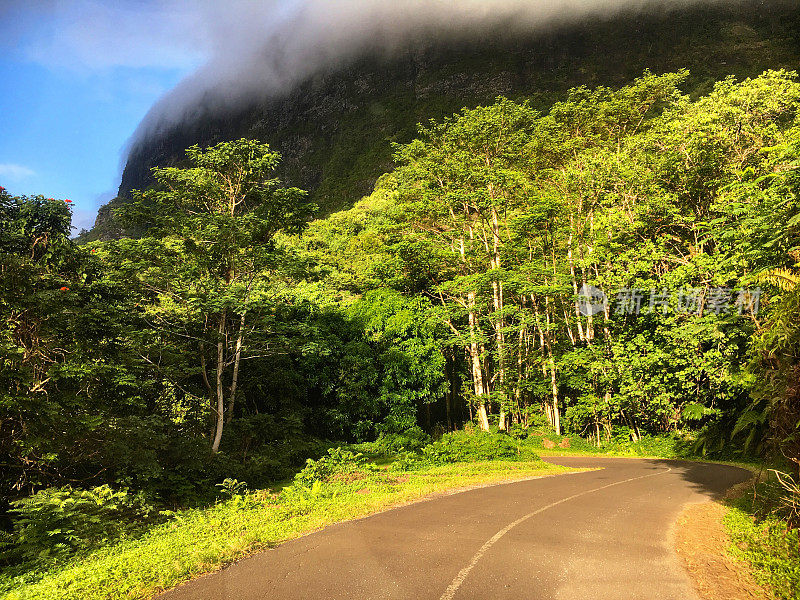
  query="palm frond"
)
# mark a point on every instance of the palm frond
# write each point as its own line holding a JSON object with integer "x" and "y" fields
{"x": 784, "y": 279}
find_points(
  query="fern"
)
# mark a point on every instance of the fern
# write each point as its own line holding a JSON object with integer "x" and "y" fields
{"x": 694, "y": 412}
{"x": 749, "y": 419}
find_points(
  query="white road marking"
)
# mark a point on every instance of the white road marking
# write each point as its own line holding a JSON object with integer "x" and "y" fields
{"x": 462, "y": 575}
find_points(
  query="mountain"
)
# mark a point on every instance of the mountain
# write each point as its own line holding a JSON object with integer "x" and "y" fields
{"x": 335, "y": 130}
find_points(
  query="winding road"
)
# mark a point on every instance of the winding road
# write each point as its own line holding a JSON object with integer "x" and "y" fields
{"x": 604, "y": 535}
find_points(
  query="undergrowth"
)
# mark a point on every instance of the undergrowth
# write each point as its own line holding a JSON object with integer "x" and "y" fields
{"x": 758, "y": 525}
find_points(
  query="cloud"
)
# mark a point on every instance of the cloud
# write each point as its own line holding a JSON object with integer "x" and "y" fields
{"x": 15, "y": 172}
{"x": 239, "y": 50}
{"x": 264, "y": 49}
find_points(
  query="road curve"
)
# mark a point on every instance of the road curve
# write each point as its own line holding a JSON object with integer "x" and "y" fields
{"x": 602, "y": 534}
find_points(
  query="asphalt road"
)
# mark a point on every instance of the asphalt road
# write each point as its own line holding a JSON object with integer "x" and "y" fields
{"x": 600, "y": 535}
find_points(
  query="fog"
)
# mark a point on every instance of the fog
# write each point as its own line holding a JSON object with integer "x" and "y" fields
{"x": 264, "y": 49}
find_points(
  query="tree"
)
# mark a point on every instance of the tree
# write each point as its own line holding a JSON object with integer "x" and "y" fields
{"x": 459, "y": 182}
{"x": 209, "y": 244}
{"x": 771, "y": 215}
{"x": 64, "y": 371}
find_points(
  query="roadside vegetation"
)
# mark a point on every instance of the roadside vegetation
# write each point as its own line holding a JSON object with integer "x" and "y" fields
{"x": 93, "y": 559}
{"x": 618, "y": 274}
{"x": 763, "y": 525}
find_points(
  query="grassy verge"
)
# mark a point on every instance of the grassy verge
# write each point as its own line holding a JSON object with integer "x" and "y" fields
{"x": 762, "y": 539}
{"x": 653, "y": 447}
{"x": 202, "y": 540}
{"x": 749, "y": 465}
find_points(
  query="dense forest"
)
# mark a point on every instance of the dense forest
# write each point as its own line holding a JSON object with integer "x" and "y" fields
{"x": 623, "y": 267}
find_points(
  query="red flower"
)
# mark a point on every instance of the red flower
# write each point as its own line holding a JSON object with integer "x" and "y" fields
{"x": 64, "y": 289}
{"x": 94, "y": 250}
{"x": 68, "y": 201}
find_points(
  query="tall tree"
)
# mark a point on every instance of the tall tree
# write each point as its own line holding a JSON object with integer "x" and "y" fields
{"x": 215, "y": 220}
{"x": 459, "y": 182}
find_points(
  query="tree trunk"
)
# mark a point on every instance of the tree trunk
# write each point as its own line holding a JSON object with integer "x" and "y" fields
{"x": 220, "y": 388}
{"x": 521, "y": 366}
{"x": 483, "y": 417}
{"x": 550, "y": 408}
{"x": 553, "y": 379}
{"x": 571, "y": 261}
{"x": 554, "y": 384}
{"x": 497, "y": 298}
{"x": 237, "y": 358}
{"x": 212, "y": 400}
{"x": 632, "y": 426}
{"x": 448, "y": 395}
{"x": 477, "y": 368}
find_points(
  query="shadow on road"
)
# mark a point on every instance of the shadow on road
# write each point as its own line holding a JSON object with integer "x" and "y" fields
{"x": 709, "y": 479}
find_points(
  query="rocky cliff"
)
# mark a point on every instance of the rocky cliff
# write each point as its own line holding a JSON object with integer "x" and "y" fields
{"x": 336, "y": 130}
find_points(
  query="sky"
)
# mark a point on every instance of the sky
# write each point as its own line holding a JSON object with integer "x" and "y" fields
{"x": 76, "y": 78}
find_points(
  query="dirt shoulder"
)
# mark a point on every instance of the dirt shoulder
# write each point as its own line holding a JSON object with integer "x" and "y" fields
{"x": 702, "y": 542}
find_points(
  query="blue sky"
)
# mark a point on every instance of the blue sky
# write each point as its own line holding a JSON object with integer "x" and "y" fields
{"x": 76, "y": 78}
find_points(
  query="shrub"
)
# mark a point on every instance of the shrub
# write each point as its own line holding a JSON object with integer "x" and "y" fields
{"x": 467, "y": 446}
{"x": 518, "y": 431}
{"x": 232, "y": 487}
{"x": 565, "y": 442}
{"x": 298, "y": 499}
{"x": 536, "y": 420}
{"x": 388, "y": 444}
{"x": 177, "y": 468}
{"x": 461, "y": 446}
{"x": 313, "y": 482}
{"x": 665, "y": 446}
{"x": 338, "y": 461}
{"x": 409, "y": 461}
{"x": 56, "y": 522}
{"x": 788, "y": 507}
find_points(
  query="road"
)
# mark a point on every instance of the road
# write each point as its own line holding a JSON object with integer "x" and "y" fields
{"x": 604, "y": 535}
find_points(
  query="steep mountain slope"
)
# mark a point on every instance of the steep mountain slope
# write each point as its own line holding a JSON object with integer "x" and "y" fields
{"x": 336, "y": 130}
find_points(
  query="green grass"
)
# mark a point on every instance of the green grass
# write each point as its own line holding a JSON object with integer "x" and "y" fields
{"x": 762, "y": 539}
{"x": 201, "y": 540}
{"x": 647, "y": 447}
{"x": 650, "y": 447}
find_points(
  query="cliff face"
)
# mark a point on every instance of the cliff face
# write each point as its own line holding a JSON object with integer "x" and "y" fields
{"x": 336, "y": 131}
